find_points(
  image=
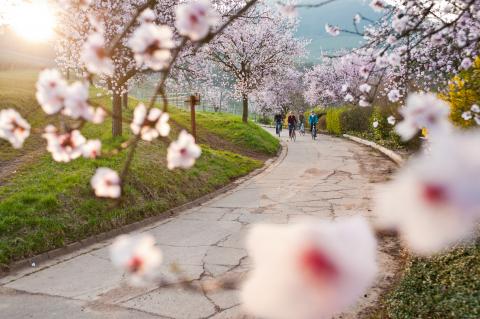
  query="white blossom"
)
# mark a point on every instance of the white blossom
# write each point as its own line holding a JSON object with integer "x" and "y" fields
{"x": 364, "y": 88}
{"x": 467, "y": 115}
{"x": 348, "y": 98}
{"x": 423, "y": 110}
{"x": 394, "y": 95}
{"x": 391, "y": 120}
{"x": 308, "y": 270}
{"x": 64, "y": 147}
{"x": 106, "y": 183}
{"x": 95, "y": 57}
{"x": 147, "y": 16}
{"x": 435, "y": 201}
{"x": 76, "y": 102}
{"x": 332, "y": 30}
{"x": 13, "y": 127}
{"x": 151, "y": 45}
{"x": 183, "y": 152}
{"x": 51, "y": 91}
{"x": 466, "y": 63}
{"x": 357, "y": 18}
{"x": 475, "y": 108}
{"x": 92, "y": 149}
{"x": 375, "y": 124}
{"x": 137, "y": 256}
{"x": 377, "y": 5}
{"x": 149, "y": 126}
{"x": 194, "y": 19}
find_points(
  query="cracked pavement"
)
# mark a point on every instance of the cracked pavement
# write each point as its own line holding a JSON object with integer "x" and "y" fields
{"x": 326, "y": 179}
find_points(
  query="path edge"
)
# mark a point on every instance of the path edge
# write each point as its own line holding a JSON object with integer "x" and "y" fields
{"x": 392, "y": 155}
{"x": 98, "y": 238}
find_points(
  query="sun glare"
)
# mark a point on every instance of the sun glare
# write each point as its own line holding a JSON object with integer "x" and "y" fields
{"x": 33, "y": 21}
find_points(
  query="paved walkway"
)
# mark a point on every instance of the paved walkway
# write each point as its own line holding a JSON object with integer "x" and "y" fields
{"x": 327, "y": 178}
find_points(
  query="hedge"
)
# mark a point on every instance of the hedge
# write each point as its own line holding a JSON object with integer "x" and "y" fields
{"x": 333, "y": 120}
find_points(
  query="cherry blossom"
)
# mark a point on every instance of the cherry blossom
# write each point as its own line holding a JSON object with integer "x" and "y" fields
{"x": 475, "y": 108}
{"x": 364, "y": 88}
{"x": 423, "y": 110}
{"x": 183, "y": 152}
{"x": 195, "y": 18}
{"x": 391, "y": 120}
{"x": 51, "y": 91}
{"x": 13, "y": 127}
{"x": 92, "y": 149}
{"x": 76, "y": 105}
{"x": 375, "y": 124}
{"x": 147, "y": 16}
{"x": 377, "y": 5}
{"x": 106, "y": 183}
{"x": 466, "y": 63}
{"x": 394, "y": 95}
{"x": 325, "y": 267}
{"x": 151, "y": 45}
{"x": 435, "y": 201}
{"x": 467, "y": 115}
{"x": 151, "y": 126}
{"x": 137, "y": 256}
{"x": 332, "y": 30}
{"x": 94, "y": 55}
{"x": 64, "y": 147}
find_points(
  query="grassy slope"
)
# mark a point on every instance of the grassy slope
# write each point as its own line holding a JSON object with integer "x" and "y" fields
{"x": 46, "y": 204}
{"x": 445, "y": 287}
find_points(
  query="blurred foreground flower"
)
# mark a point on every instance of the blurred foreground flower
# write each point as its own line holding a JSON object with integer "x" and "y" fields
{"x": 106, "y": 183}
{"x": 51, "y": 91}
{"x": 423, "y": 110}
{"x": 149, "y": 126}
{"x": 13, "y": 127}
{"x": 194, "y": 19}
{"x": 308, "y": 270}
{"x": 94, "y": 55}
{"x": 137, "y": 256}
{"x": 64, "y": 147}
{"x": 435, "y": 201}
{"x": 183, "y": 152}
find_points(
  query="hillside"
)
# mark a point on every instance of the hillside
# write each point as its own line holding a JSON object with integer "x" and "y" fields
{"x": 45, "y": 205}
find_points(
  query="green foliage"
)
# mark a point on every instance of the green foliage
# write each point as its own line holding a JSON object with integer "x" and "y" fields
{"x": 464, "y": 91}
{"x": 445, "y": 286}
{"x": 333, "y": 120}
{"x": 266, "y": 120}
{"x": 46, "y": 205}
{"x": 356, "y": 119}
{"x": 320, "y": 111}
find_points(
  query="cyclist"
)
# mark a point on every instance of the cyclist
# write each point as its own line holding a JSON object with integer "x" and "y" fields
{"x": 292, "y": 123}
{"x": 312, "y": 120}
{"x": 278, "y": 119}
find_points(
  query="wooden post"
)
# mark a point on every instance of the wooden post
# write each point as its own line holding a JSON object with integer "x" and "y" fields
{"x": 194, "y": 100}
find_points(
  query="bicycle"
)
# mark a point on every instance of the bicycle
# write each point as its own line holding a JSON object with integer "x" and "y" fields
{"x": 302, "y": 129}
{"x": 292, "y": 134}
{"x": 314, "y": 132}
{"x": 278, "y": 128}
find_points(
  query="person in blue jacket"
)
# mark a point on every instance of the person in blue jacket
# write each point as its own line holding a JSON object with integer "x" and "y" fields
{"x": 312, "y": 120}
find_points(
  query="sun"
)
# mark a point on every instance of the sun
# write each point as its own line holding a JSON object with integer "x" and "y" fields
{"x": 33, "y": 21}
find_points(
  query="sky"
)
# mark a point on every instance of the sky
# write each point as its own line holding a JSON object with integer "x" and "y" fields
{"x": 340, "y": 12}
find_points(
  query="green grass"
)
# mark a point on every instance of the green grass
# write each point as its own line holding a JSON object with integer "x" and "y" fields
{"x": 46, "y": 205}
{"x": 446, "y": 286}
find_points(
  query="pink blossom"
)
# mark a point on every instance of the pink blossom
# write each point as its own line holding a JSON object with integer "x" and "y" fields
{"x": 151, "y": 126}
{"x": 51, "y": 91}
{"x": 95, "y": 57}
{"x": 394, "y": 95}
{"x": 151, "y": 45}
{"x": 332, "y": 30}
{"x": 423, "y": 110}
{"x": 13, "y": 127}
{"x": 378, "y": 5}
{"x": 106, "y": 183}
{"x": 92, "y": 149}
{"x": 64, "y": 147}
{"x": 183, "y": 152}
{"x": 137, "y": 256}
{"x": 308, "y": 270}
{"x": 194, "y": 19}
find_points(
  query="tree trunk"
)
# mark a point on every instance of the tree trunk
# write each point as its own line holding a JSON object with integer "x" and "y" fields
{"x": 245, "y": 108}
{"x": 117, "y": 115}
{"x": 125, "y": 100}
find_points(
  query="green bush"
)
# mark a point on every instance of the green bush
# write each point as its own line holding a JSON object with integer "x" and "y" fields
{"x": 333, "y": 120}
{"x": 266, "y": 120}
{"x": 356, "y": 119}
